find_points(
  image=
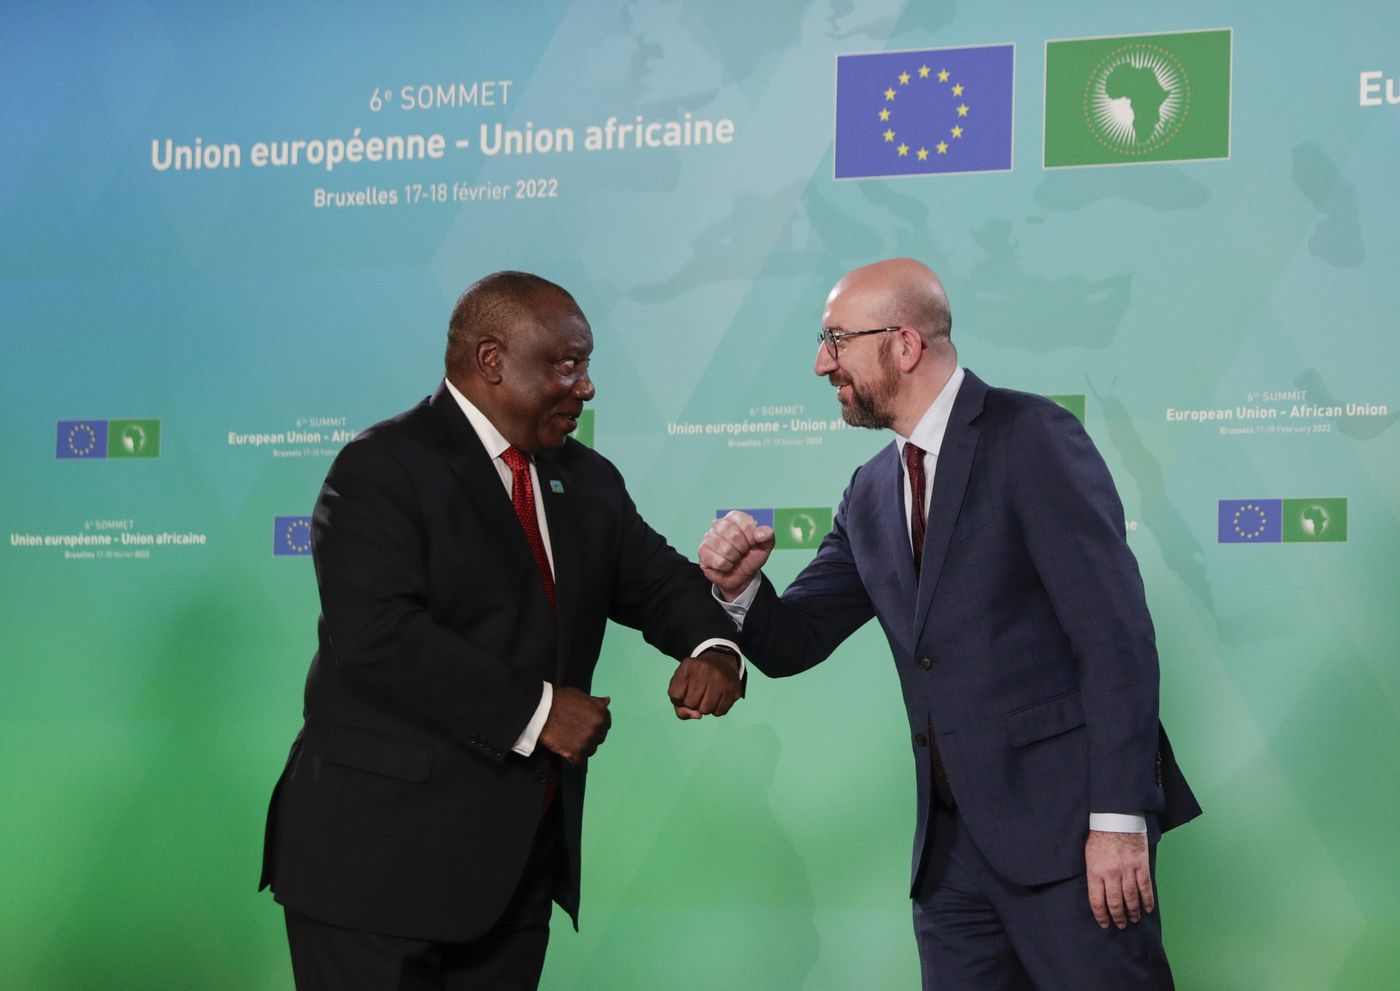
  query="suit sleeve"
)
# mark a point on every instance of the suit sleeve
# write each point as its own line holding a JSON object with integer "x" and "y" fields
{"x": 823, "y": 605}
{"x": 370, "y": 544}
{"x": 1072, "y": 521}
{"x": 660, "y": 592}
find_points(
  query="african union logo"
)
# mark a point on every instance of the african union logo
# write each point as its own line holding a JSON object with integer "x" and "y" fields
{"x": 1307, "y": 520}
{"x": 1141, "y": 98}
{"x": 1137, "y": 99}
{"x": 800, "y": 528}
{"x": 1288, "y": 521}
{"x": 794, "y": 528}
{"x": 134, "y": 440}
{"x": 291, "y": 536}
{"x": 1315, "y": 521}
{"x": 96, "y": 440}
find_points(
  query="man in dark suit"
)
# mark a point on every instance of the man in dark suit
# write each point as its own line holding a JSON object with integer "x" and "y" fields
{"x": 469, "y": 554}
{"x": 989, "y": 542}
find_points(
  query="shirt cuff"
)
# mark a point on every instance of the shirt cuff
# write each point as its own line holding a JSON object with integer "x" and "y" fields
{"x": 1118, "y": 822}
{"x": 525, "y": 743}
{"x": 739, "y": 608}
{"x": 720, "y": 642}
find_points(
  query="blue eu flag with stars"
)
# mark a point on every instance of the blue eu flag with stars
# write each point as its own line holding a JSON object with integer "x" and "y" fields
{"x": 291, "y": 536}
{"x": 924, "y": 112}
{"x": 81, "y": 439}
{"x": 1250, "y": 521}
{"x": 762, "y": 517}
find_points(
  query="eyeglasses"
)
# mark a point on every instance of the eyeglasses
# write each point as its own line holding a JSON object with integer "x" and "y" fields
{"x": 833, "y": 338}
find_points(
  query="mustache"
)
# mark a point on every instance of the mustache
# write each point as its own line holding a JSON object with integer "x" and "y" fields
{"x": 838, "y": 379}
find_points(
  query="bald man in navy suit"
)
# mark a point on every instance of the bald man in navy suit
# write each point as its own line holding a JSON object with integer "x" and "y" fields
{"x": 988, "y": 540}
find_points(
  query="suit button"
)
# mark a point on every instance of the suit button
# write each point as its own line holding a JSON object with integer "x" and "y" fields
{"x": 921, "y": 740}
{"x": 925, "y": 663}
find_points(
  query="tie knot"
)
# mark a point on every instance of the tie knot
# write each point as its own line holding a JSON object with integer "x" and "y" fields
{"x": 515, "y": 459}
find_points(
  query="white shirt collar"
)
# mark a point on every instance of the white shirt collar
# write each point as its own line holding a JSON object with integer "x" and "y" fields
{"x": 928, "y": 432}
{"x": 491, "y": 438}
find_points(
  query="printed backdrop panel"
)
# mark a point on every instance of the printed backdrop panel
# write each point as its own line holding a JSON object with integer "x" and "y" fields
{"x": 231, "y": 236}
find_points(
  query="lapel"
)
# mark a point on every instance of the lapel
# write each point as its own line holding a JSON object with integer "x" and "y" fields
{"x": 563, "y": 519}
{"x": 892, "y": 530}
{"x": 952, "y": 469}
{"x": 473, "y": 468}
{"x": 891, "y": 543}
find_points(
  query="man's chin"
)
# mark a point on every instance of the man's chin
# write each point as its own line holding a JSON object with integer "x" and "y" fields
{"x": 865, "y": 418}
{"x": 557, "y": 431}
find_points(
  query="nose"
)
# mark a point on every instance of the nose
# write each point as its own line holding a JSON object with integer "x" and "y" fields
{"x": 825, "y": 364}
{"x": 583, "y": 389}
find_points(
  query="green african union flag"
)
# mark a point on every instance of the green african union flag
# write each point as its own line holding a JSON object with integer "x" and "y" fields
{"x": 800, "y": 527}
{"x": 1314, "y": 520}
{"x": 133, "y": 439}
{"x": 1137, "y": 98}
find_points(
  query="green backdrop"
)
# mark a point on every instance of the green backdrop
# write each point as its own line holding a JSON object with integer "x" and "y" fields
{"x": 186, "y": 347}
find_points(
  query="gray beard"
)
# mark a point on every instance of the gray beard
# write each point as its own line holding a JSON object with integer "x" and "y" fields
{"x": 873, "y": 409}
{"x": 866, "y": 411}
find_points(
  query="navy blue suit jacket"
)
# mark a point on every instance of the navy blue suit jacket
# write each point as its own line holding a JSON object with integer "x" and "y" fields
{"x": 1025, "y": 642}
{"x": 402, "y": 809}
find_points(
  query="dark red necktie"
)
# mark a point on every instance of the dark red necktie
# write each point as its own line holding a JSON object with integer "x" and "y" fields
{"x": 918, "y": 524}
{"x": 918, "y": 521}
{"x": 522, "y": 494}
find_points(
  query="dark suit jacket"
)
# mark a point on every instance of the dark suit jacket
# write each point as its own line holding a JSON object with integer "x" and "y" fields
{"x": 402, "y": 809}
{"x": 1025, "y": 643}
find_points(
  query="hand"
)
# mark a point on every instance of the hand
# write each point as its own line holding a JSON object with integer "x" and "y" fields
{"x": 1120, "y": 879}
{"x": 576, "y": 725}
{"x": 733, "y": 552}
{"x": 705, "y": 684}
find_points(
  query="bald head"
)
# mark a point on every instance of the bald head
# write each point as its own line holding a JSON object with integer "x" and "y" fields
{"x": 903, "y": 292}
{"x": 900, "y": 303}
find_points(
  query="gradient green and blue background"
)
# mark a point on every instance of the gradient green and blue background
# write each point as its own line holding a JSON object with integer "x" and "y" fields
{"x": 146, "y": 705}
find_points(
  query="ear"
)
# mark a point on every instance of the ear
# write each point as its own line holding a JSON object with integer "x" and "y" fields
{"x": 911, "y": 347}
{"x": 490, "y": 360}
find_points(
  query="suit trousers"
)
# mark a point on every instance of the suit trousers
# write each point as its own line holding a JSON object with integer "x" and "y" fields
{"x": 508, "y": 957}
{"x": 978, "y": 932}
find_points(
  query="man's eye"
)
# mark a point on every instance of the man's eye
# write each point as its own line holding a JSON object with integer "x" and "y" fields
{"x": 567, "y": 365}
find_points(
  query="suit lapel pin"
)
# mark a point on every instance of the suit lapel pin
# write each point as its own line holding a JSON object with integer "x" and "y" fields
{"x": 556, "y": 486}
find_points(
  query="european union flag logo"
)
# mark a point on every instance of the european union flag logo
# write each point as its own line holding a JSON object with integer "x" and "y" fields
{"x": 924, "y": 112}
{"x": 291, "y": 536}
{"x": 763, "y": 517}
{"x": 1251, "y": 521}
{"x": 81, "y": 439}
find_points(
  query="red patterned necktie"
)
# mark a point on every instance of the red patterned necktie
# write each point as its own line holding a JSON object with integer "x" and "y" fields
{"x": 522, "y": 494}
{"x": 918, "y": 521}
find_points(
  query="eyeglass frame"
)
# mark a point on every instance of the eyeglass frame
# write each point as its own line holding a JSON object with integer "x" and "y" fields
{"x": 832, "y": 338}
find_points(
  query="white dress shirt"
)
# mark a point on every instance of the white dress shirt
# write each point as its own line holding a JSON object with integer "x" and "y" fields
{"x": 496, "y": 445}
